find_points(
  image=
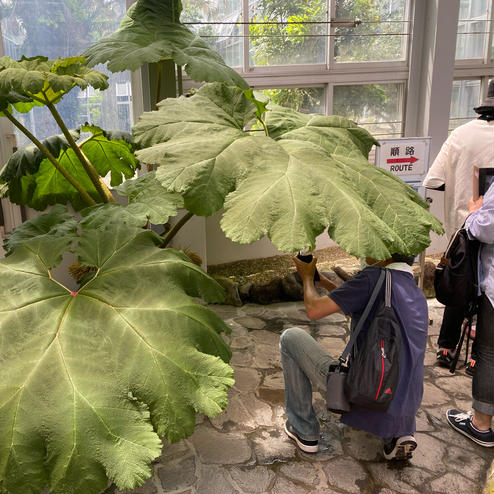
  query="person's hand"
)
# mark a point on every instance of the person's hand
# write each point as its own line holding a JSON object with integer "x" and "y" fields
{"x": 475, "y": 204}
{"x": 306, "y": 270}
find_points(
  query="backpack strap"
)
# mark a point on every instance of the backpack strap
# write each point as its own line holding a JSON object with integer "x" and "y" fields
{"x": 387, "y": 294}
{"x": 365, "y": 314}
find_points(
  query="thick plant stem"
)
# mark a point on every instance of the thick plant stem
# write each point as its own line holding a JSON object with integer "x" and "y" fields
{"x": 265, "y": 127}
{"x": 87, "y": 198}
{"x": 176, "y": 227}
{"x": 158, "y": 83}
{"x": 180, "y": 84}
{"x": 103, "y": 191}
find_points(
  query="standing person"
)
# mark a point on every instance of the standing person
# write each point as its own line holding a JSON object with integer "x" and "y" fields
{"x": 477, "y": 425}
{"x": 306, "y": 364}
{"x": 452, "y": 171}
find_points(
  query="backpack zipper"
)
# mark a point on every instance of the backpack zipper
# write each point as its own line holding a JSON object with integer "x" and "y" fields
{"x": 383, "y": 356}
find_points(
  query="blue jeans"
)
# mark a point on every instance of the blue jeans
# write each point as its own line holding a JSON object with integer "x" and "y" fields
{"x": 305, "y": 364}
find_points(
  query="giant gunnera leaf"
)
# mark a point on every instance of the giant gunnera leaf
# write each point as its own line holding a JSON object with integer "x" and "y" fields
{"x": 91, "y": 380}
{"x": 148, "y": 200}
{"x": 34, "y": 81}
{"x": 151, "y": 31}
{"x": 309, "y": 175}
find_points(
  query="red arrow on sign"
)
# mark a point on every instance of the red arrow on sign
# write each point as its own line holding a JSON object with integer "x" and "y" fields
{"x": 410, "y": 160}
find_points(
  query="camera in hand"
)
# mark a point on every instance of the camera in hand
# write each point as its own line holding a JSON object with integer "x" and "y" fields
{"x": 308, "y": 258}
{"x": 482, "y": 180}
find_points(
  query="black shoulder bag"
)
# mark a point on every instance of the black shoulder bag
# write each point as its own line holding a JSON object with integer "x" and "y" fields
{"x": 455, "y": 278}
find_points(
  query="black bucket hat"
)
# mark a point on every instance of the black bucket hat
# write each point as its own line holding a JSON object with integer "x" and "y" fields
{"x": 488, "y": 104}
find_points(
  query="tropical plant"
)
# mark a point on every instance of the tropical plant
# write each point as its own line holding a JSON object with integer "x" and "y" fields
{"x": 155, "y": 352}
{"x": 86, "y": 398}
{"x": 151, "y": 32}
{"x": 308, "y": 173}
{"x": 31, "y": 173}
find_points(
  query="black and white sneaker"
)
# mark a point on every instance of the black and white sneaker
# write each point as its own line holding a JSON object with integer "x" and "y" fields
{"x": 304, "y": 445}
{"x": 399, "y": 448}
{"x": 462, "y": 422}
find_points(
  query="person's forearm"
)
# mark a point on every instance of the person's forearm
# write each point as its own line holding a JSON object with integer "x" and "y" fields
{"x": 480, "y": 225}
{"x": 326, "y": 284}
{"x": 317, "y": 306}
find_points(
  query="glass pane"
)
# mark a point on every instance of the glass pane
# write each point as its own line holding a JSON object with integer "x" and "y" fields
{"x": 287, "y": 32}
{"x": 304, "y": 100}
{"x": 381, "y": 36}
{"x": 465, "y": 97}
{"x": 55, "y": 28}
{"x": 473, "y": 27}
{"x": 376, "y": 107}
{"x": 225, "y": 38}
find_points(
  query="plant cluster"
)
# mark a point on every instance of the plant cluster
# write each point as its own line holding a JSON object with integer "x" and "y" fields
{"x": 94, "y": 378}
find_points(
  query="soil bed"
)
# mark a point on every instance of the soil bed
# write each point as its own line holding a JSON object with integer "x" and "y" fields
{"x": 262, "y": 270}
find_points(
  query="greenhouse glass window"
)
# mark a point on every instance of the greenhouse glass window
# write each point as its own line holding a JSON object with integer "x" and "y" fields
{"x": 301, "y": 99}
{"x": 225, "y": 37}
{"x": 54, "y": 28}
{"x": 465, "y": 96}
{"x": 474, "y": 25}
{"x": 288, "y": 32}
{"x": 381, "y": 36}
{"x": 376, "y": 107}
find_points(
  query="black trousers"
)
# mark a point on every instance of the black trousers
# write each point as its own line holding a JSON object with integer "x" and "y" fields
{"x": 449, "y": 334}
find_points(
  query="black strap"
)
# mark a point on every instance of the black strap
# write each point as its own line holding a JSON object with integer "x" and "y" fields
{"x": 467, "y": 326}
{"x": 368, "y": 307}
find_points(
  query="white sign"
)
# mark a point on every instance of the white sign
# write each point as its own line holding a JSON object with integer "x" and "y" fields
{"x": 406, "y": 157}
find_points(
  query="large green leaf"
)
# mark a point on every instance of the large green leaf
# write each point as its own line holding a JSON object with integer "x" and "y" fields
{"x": 151, "y": 31}
{"x": 110, "y": 152}
{"x": 22, "y": 103}
{"x": 34, "y": 181}
{"x": 43, "y": 80}
{"x": 22, "y": 167}
{"x": 51, "y": 233}
{"x": 311, "y": 174}
{"x": 148, "y": 201}
{"x": 92, "y": 380}
{"x": 190, "y": 134}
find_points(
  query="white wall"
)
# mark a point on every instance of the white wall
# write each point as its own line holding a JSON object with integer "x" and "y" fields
{"x": 220, "y": 249}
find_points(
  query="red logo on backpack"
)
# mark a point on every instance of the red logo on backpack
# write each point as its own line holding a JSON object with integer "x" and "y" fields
{"x": 388, "y": 392}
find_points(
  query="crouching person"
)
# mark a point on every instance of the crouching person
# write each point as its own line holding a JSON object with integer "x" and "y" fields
{"x": 306, "y": 364}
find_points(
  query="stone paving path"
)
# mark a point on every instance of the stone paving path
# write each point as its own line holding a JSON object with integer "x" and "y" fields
{"x": 245, "y": 451}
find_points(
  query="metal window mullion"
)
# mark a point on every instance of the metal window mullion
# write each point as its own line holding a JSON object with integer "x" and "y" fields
{"x": 246, "y": 40}
{"x": 11, "y": 212}
{"x": 409, "y": 9}
{"x": 329, "y": 98}
{"x": 468, "y": 71}
{"x": 411, "y": 117}
{"x": 330, "y": 62}
{"x": 275, "y": 81}
{"x": 488, "y": 55}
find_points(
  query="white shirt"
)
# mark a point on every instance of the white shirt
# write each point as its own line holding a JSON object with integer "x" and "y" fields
{"x": 468, "y": 145}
